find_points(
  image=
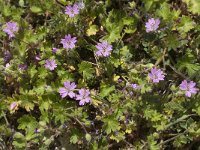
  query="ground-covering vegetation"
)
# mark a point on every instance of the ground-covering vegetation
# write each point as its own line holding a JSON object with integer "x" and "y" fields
{"x": 99, "y": 74}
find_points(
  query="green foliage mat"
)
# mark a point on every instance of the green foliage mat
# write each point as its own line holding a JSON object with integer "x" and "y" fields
{"x": 99, "y": 74}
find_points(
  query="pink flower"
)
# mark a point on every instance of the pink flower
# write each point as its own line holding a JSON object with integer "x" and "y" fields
{"x": 13, "y": 105}
{"x": 188, "y": 87}
{"x": 104, "y": 49}
{"x": 50, "y": 64}
{"x": 135, "y": 86}
{"x": 54, "y": 50}
{"x": 83, "y": 96}
{"x": 72, "y": 10}
{"x": 156, "y": 75}
{"x": 152, "y": 25}
{"x": 67, "y": 90}
{"x": 11, "y": 28}
{"x": 68, "y": 42}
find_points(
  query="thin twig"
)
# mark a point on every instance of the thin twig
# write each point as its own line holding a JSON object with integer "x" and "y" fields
{"x": 4, "y": 115}
{"x": 81, "y": 124}
{"x": 161, "y": 58}
{"x": 179, "y": 73}
{"x": 125, "y": 79}
{"x": 173, "y": 138}
{"x": 91, "y": 63}
{"x": 96, "y": 60}
{"x": 179, "y": 120}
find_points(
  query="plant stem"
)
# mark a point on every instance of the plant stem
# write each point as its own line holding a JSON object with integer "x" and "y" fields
{"x": 81, "y": 124}
{"x": 4, "y": 115}
{"x": 173, "y": 138}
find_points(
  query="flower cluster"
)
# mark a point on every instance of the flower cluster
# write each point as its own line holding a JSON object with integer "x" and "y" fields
{"x": 11, "y": 28}
{"x": 157, "y": 75}
{"x": 152, "y": 25}
{"x": 104, "y": 49}
{"x": 83, "y": 95}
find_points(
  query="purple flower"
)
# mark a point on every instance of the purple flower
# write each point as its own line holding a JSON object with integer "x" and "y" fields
{"x": 50, "y": 64}
{"x": 36, "y": 130}
{"x": 7, "y": 56}
{"x": 83, "y": 96}
{"x": 11, "y": 28}
{"x": 67, "y": 90}
{"x": 81, "y": 5}
{"x": 104, "y": 49}
{"x": 135, "y": 86}
{"x": 13, "y": 105}
{"x": 68, "y": 42}
{"x": 72, "y": 10}
{"x": 7, "y": 65}
{"x": 188, "y": 87}
{"x": 120, "y": 80}
{"x": 156, "y": 75}
{"x": 152, "y": 24}
{"x": 37, "y": 57}
{"x": 23, "y": 66}
{"x": 54, "y": 50}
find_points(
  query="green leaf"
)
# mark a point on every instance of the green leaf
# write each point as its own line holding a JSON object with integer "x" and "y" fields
{"x": 114, "y": 25}
{"x": 27, "y": 121}
{"x": 111, "y": 125}
{"x": 32, "y": 71}
{"x": 21, "y": 3}
{"x": 172, "y": 41}
{"x": 74, "y": 139}
{"x": 186, "y": 24}
{"x": 148, "y": 4}
{"x": 118, "y": 137}
{"x": 19, "y": 141}
{"x": 167, "y": 14}
{"x": 193, "y": 5}
{"x": 36, "y": 9}
{"x": 106, "y": 90}
{"x": 152, "y": 143}
{"x": 93, "y": 29}
{"x": 88, "y": 137}
{"x": 187, "y": 63}
{"x": 86, "y": 70}
{"x": 42, "y": 73}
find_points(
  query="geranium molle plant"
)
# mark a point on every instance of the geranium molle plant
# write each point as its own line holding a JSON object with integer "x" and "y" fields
{"x": 110, "y": 97}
